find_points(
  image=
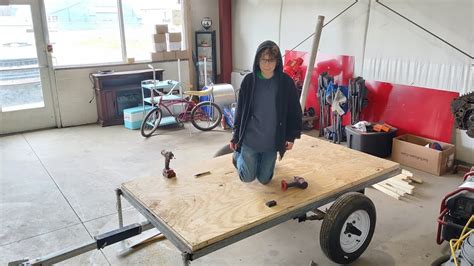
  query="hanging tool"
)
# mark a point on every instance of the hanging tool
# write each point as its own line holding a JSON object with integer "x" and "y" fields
{"x": 324, "y": 115}
{"x": 336, "y": 97}
{"x": 357, "y": 98}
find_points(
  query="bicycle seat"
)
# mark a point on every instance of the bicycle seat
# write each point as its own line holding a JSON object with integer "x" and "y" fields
{"x": 200, "y": 93}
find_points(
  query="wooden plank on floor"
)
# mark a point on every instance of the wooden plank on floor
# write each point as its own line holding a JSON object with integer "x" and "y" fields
{"x": 202, "y": 211}
{"x": 386, "y": 191}
{"x": 397, "y": 190}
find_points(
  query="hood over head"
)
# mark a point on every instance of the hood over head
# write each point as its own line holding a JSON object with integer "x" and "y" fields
{"x": 264, "y": 45}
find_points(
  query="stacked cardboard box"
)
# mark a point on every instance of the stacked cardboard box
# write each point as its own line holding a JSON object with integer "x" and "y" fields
{"x": 159, "y": 42}
{"x": 183, "y": 54}
{"x": 174, "y": 44}
{"x": 167, "y": 45}
{"x": 173, "y": 41}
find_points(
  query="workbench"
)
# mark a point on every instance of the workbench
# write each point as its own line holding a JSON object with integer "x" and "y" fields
{"x": 202, "y": 214}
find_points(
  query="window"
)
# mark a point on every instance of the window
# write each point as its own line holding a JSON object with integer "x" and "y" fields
{"x": 88, "y": 32}
{"x": 140, "y": 18}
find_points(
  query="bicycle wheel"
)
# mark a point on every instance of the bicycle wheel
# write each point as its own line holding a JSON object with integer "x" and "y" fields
{"x": 151, "y": 122}
{"x": 206, "y": 116}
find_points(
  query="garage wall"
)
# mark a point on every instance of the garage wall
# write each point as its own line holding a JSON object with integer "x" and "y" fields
{"x": 75, "y": 90}
{"x": 253, "y": 21}
{"x": 394, "y": 51}
{"x": 408, "y": 55}
{"x": 206, "y": 8}
{"x": 385, "y": 46}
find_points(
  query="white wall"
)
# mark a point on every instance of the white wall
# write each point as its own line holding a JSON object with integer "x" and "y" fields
{"x": 397, "y": 51}
{"x": 289, "y": 22}
{"x": 385, "y": 46}
{"x": 343, "y": 36}
{"x": 253, "y": 22}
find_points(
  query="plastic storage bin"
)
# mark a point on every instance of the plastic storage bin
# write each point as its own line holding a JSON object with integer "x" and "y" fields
{"x": 133, "y": 117}
{"x": 376, "y": 143}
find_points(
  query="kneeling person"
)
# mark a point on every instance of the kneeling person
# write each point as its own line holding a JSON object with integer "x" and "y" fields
{"x": 268, "y": 116}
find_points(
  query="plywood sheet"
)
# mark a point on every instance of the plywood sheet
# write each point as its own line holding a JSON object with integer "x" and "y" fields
{"x": 201, "y": 211}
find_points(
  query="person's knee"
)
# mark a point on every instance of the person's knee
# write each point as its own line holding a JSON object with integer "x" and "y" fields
{"x": 246, "y": 165}
{"x": 245, "y": 176}
{"x": 266, "y": 168}
{"x": 265, "y": 179}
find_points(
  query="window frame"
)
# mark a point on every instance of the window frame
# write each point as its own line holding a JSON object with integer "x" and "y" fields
{"x": 123, "y": 41}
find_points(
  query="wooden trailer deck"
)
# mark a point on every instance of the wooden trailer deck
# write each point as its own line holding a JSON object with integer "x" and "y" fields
{"x": 198, "y": 213}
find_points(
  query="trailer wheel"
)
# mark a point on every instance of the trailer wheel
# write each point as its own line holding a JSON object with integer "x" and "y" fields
{"x": 347, "y": 228}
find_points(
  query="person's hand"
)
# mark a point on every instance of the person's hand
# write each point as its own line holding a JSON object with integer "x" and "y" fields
{"x": 288, "y": 145}
{"x": 232, "y": 146}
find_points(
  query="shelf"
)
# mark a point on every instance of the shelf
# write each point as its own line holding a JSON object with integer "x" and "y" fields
{"x": 164, "y": 98}
{"x": 205, "y": 44}
{"x": 168, "y": 120}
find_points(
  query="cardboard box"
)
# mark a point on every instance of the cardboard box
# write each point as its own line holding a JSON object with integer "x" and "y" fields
{"x": 159, "y": 38}
{"x": 173, "y": 37}
{"x": 161, "y": 28}
{"x": 182, "y": 54}
{"x": 169, "y": 55}
{"x": 174, "y": 46}
{"x": 160, "y": 47}
{"x": 159, "y": 56}
{"x": 410, "y": 150}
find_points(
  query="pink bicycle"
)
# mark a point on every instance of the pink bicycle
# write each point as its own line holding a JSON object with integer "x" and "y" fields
{"x": 205, "y": 115}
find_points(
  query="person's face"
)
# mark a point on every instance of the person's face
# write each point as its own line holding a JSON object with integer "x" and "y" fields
{"x": 267, "y": 64}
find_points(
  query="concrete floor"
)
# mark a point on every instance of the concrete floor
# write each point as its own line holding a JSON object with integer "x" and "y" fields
{"x": 57, "y": 191}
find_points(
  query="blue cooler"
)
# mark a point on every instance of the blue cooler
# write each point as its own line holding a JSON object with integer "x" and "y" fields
{"x": 133, "y": 117}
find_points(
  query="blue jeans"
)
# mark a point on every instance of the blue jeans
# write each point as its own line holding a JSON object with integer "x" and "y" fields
{"x": 252, "y": 164}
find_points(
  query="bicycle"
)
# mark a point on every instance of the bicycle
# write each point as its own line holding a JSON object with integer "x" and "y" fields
{"x": 205, "y": 115}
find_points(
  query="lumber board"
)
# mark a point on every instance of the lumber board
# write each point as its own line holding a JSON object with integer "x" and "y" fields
{"x": 386, "y": 191}
{"x": 407, "y": 173}
{"x": 416, "y": 179}
{"x": 202, "y": 211}
{"x": 411, "y": 177}
{"x": 399, "y": 186}
{"x": 401, "y": 183}
{"x": 397, "y": 190}
{"x": 401, "y": 177}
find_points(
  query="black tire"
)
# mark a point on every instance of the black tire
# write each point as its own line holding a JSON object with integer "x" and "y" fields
{"x": 201, "y": 119}
{"x": 223, "y": 151}
{"x": 345, "y": 247}
{"x": 151, "y": 122}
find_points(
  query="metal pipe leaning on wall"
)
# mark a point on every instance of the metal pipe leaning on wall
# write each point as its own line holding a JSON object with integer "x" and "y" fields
{"x": 312, "y": 59}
